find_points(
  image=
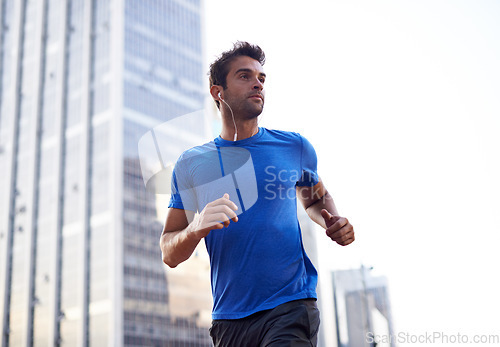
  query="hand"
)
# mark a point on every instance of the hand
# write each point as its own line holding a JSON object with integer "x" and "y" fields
{"x": 338, "y": 228}
{"x": 216, "y": 215}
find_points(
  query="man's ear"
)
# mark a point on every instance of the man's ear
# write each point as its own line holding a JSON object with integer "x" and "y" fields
{"x": 215, "y": 90}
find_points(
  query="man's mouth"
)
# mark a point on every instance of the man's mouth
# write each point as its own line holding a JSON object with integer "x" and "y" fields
{"x": 256, "y": 96}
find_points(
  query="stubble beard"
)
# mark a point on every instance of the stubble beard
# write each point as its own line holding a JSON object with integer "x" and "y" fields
{"x": 249, "y": 111}
{"x": 244, "y": 109}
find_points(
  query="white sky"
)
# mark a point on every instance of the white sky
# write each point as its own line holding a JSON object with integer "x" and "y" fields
{"x": 401, "y": 100}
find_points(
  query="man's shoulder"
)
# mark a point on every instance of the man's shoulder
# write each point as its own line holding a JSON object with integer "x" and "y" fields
{"x": 198, "y": 150}
{"x": 290, "y": 138}
{"x": 283, "y": 134}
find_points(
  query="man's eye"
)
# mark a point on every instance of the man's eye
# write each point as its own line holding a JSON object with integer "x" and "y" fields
{"x": 262, "y": 80}
{"x": 244, "y": 76}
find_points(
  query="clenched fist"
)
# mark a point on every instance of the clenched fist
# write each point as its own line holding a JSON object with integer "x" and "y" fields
{"x": 216, "y": 215}
{"x": 338, "y": 228}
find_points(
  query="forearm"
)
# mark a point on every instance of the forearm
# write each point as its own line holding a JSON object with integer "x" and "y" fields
{"x": 177, "y": 246}
{"x": 183, "y": 230}
{"x": 314, "y": 210}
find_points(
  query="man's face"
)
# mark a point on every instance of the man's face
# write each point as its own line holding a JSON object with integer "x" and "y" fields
{"x": 245, "y": 87}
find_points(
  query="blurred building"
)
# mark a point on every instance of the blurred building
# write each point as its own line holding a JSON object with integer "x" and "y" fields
{"x": 362, "y": 308}
{"x": 309, "y": 239}
{"x": 81, "y": 81}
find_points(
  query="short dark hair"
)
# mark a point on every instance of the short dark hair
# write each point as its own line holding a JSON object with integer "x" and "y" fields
{"x": 220, "y": 67}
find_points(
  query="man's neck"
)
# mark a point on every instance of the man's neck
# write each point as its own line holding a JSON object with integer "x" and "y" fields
{"x": 244, "y": 129}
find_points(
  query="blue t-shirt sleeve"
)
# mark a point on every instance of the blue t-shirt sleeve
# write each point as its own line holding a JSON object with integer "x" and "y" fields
{"x": 309, "y": 163}
{"x": 183, "y": 193}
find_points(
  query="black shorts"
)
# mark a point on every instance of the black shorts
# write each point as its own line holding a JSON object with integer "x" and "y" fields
{"x": 294, "y": 323}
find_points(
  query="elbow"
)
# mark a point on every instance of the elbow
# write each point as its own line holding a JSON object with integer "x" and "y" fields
{"x": 168, "y": 261}
{"x": 171, "y": 265}
{"x": 166, "y": 258}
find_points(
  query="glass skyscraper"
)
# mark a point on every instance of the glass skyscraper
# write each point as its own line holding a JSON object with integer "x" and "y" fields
{"x": 81, "y": 81}
{"x": 362, "y": 308}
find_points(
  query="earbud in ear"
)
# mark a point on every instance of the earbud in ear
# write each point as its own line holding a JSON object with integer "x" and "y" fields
{"x": 220, "y": 97}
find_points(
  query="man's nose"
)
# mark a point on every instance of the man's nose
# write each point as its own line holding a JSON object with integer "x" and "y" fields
{"x": 258, "y": 85}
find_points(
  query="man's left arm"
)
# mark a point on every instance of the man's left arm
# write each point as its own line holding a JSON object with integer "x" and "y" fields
{"x": 320, "y": 207}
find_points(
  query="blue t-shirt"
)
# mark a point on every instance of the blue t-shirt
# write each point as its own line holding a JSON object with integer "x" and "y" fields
{"x": 259, "y": 262}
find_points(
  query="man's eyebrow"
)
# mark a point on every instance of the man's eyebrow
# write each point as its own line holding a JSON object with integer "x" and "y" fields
{"x": 248, "y": 70}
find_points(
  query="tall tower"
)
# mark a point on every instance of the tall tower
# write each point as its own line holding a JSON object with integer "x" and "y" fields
{"x": 363, "y": 309}
{"x": 80, "y": 82}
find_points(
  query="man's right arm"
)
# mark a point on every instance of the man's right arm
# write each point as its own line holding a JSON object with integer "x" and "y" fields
{"x": 183, "y": 230}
